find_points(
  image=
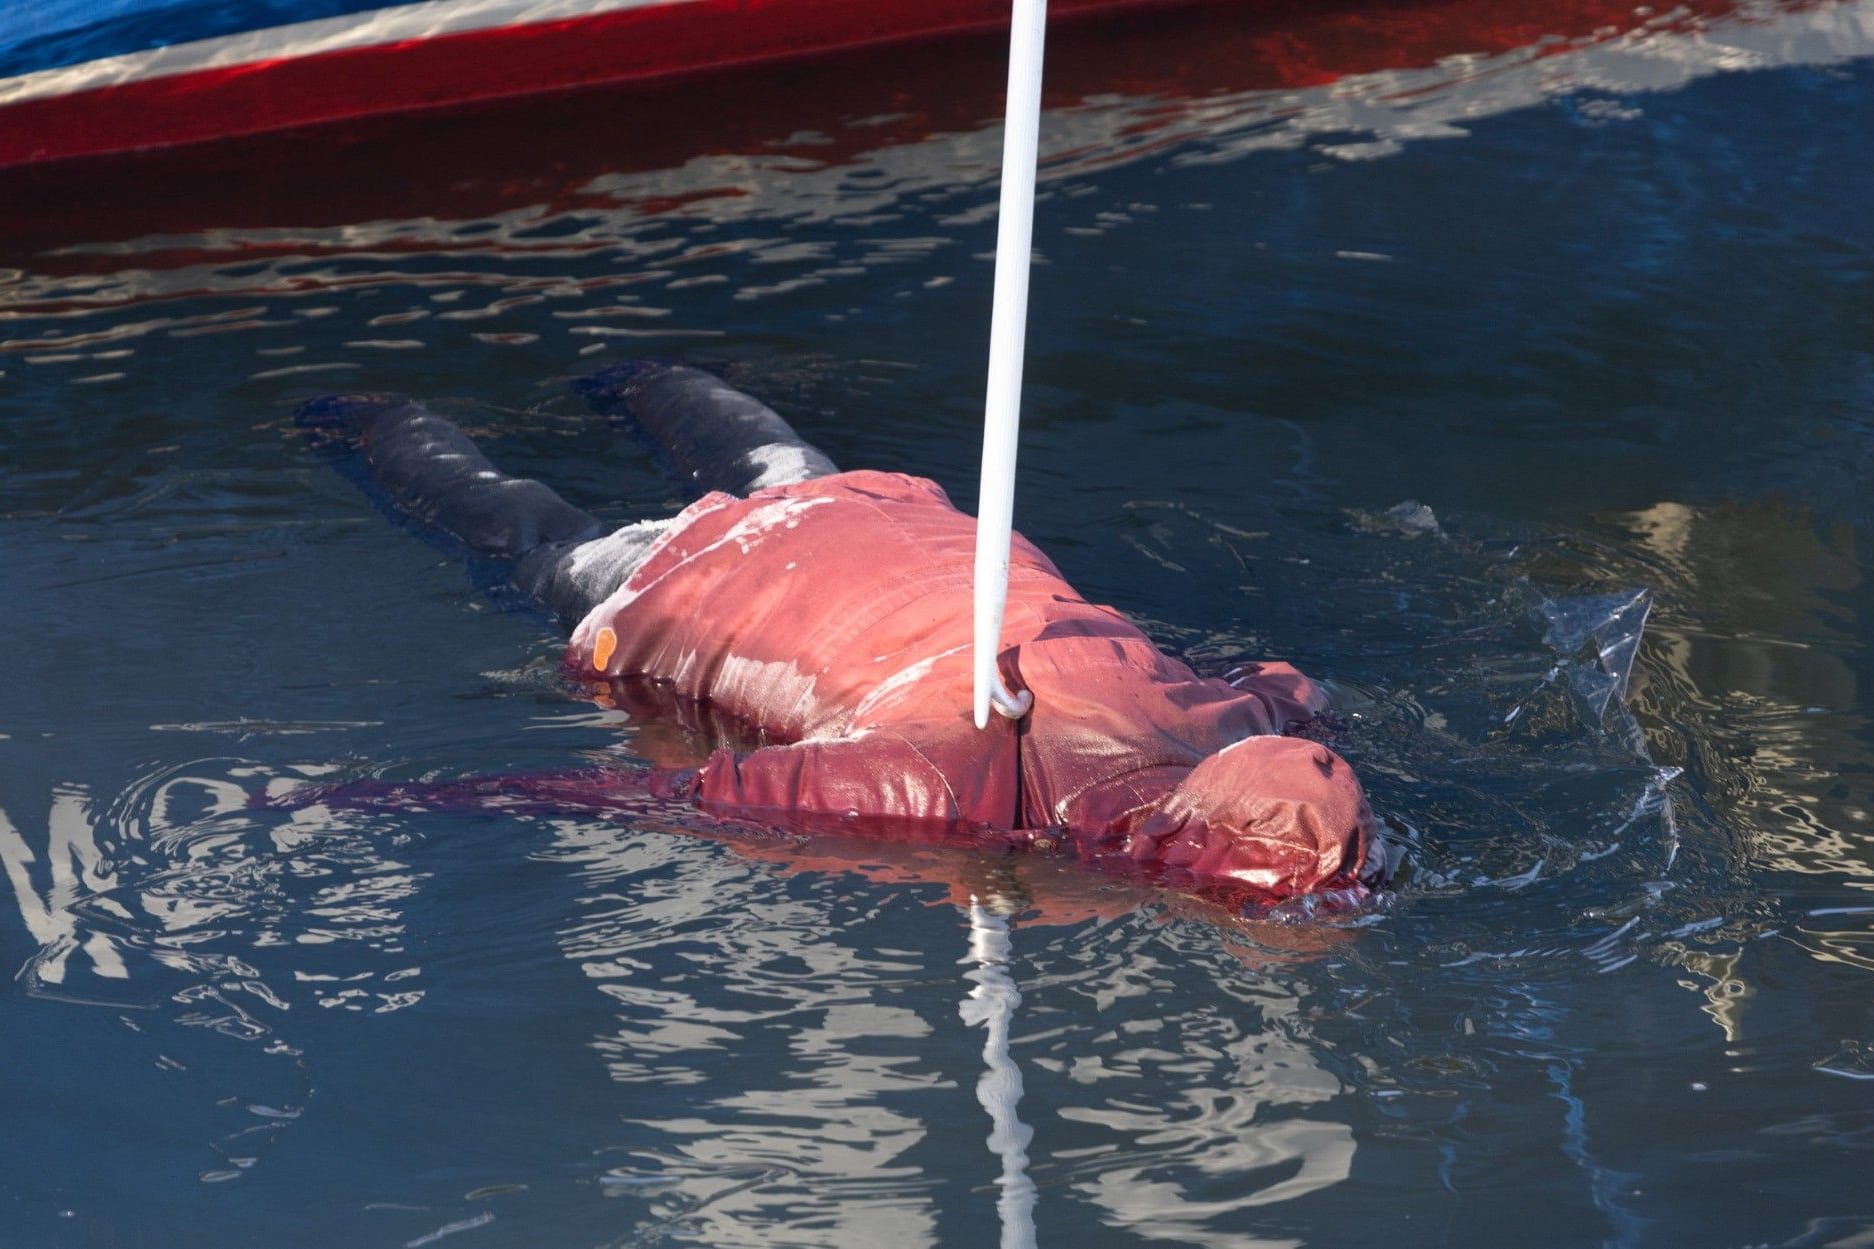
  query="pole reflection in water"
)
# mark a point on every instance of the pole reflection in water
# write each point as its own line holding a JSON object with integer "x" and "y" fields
{"x": 992, "y": 1003}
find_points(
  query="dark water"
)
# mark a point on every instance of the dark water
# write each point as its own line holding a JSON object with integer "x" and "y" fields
{"x": 1604, "y": 306}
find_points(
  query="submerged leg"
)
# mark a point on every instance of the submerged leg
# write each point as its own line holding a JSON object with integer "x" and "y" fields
{"x": 435, "y": 474}
{"x": 572, "y": 578}
{"x": 715, "y": 435}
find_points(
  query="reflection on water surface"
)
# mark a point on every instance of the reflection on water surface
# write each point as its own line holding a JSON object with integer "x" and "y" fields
{"x": 1405, "y": 343}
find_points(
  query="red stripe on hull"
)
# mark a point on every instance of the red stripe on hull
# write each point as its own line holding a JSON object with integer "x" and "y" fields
{"x": 623, "y": 46}
{"x": 546, "y": 150}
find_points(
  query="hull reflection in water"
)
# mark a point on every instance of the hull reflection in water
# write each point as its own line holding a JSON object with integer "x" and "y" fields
{"x": 802, "y": 144}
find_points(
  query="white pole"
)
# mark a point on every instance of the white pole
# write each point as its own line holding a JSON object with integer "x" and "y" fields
{"x": 1008, "y": 326}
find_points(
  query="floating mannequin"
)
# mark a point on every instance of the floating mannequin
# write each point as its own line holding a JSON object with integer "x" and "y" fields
{"x": 828, "y": 615}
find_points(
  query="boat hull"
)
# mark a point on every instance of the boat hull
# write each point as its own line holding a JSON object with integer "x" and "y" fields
{"x": 440, "y": 54}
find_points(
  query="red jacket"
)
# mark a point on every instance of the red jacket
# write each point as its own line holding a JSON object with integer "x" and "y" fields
{"x": 833, "y": 616}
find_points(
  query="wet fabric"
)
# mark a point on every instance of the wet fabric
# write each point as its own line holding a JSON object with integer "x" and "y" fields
{"x": 833, "y": 616}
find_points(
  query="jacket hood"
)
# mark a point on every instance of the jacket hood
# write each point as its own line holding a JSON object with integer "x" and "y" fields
{"x": 1282, "y": 816}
